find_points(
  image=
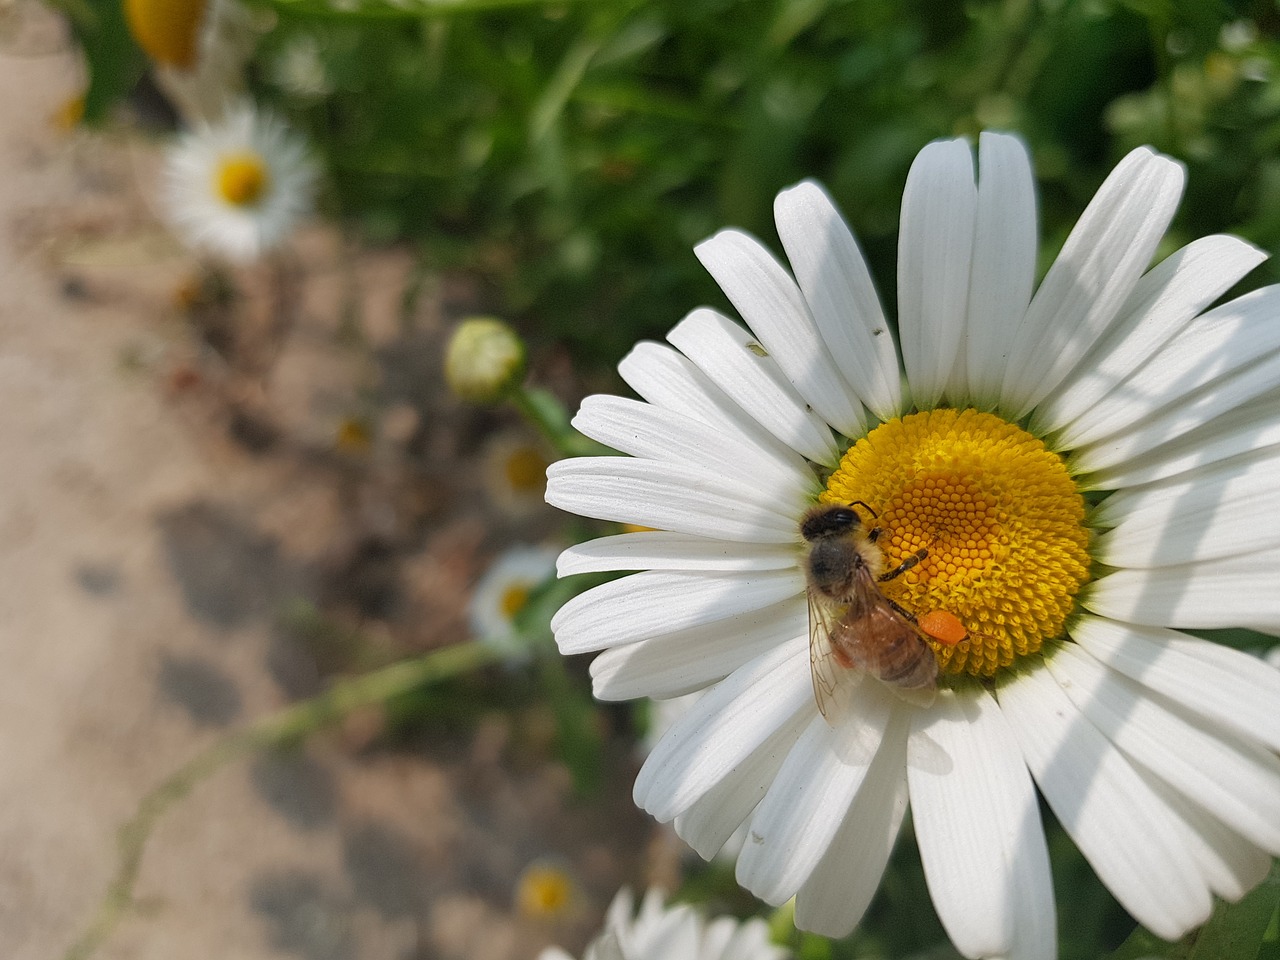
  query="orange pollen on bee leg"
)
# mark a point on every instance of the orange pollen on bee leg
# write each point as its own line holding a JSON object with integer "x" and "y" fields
{"x": 943, "y": 626}
{"x": 999, "y": 517}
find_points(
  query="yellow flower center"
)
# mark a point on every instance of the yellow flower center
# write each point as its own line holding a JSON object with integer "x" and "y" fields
{"x": 353, "y": 436}
{"x": 513, "y": 599}
{"x": 999, "y": 516}
{"x": 167, "y": 30}
{"x": 241, "y": 179}
{"x": 544, "y": 892}
{"x": 526, "y": 470}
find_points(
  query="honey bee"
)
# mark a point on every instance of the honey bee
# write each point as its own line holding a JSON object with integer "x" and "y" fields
{"x": 854, "y": 629}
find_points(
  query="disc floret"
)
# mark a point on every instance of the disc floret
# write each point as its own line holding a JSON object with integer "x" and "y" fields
{"x": 998, "y": 514}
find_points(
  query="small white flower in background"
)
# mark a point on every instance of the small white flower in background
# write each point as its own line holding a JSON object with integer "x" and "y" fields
{"x": 199, "y": 49}
{"x": 1156, "y": 750}
{"x": 238, "y": 187}
{"x": 515, "y": 473}
{"x": 502, "y": 593}
{"x": 547, "y": 892}
{"x": 678, "y": 932}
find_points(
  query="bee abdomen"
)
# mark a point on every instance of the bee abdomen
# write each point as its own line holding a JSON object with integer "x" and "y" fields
{"x": 910, "y": 664}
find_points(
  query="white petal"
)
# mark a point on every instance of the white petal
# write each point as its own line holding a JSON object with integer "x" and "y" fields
{"x": 659, "y": 550}
{"x": 709, "y": 823}
{"x": 1229, "y": 508}
{"x": 1117, "y": 821}
{"x": 1004, "y": 261}
{"x": 1219, "y": 683}
{"x": 1254, "y": 426}
{"x": 652, "y": 603}
{"x": 724, "y": 352}
{"x": 667, "y": 496}
{"x": 652, "y": 433}
{"x": 773, "y": 307}
{"x": 677, "y": 663}
{"x": 728, "y": 724}
{"x": 669, "y": 380}
{"x": 799, "y": 815}
{"x": 1230, "y": 865}
{"x": 841, "y": 295}
{"x": 672, "y": 933}
{"x": 719, "y": 932}
{"x": 836, "y": 895}
{"x": 935, "y": 249}
{"x": 1228, "y": 357}
{"x": 978, "y": 826}
{"x": 1099, "y": 265}
{"x": 1238, "y": 785}
{"x": 752, "y": 942}
{"x": 1169, "y": 297}
{"x": 1237, "y": 591}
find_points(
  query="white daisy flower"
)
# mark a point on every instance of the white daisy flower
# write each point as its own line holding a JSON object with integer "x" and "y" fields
{"x": 982, "y": 438}
{"x": 659, "y": 932}
{"x": 199, "y": 49}
{"x": 238, "y": 187}
{"x": 502, "y": 593}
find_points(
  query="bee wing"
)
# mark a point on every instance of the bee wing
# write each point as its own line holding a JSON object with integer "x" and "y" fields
{"x": 855, "y": 732}
{"x": 830, "y": 677}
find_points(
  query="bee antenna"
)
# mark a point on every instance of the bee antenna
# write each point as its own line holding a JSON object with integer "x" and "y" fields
{"x": 866, "y": 506}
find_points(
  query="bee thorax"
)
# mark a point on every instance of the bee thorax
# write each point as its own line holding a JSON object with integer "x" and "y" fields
{"x": 832, "y": 566}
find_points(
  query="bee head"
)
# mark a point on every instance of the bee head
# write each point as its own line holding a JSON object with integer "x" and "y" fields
{"x": 829, "y": 521}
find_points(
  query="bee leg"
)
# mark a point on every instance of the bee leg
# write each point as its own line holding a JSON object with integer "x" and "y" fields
{"x": 905, "y": 565}
{"x": 903, "y": 611}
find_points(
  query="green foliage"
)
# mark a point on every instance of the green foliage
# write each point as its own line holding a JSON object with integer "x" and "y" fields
{"x": 114, "y": 61}
{"x": 572, "y": 153}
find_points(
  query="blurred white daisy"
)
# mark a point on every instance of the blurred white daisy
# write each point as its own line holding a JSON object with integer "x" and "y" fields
{"x": 515, "y": 473}
{"x": 982, "y": 429}
{"x": 547, "y": 892}
{"x": 660, "y": 932}
{"x": 503, "y": 591}
{"x": 199, "y": 49}
{"x": 238, "y": 187}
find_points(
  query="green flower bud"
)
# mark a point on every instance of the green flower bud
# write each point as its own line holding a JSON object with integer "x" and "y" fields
{"x": 485, "y": 360}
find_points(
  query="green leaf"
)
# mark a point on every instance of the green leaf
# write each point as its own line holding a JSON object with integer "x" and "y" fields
{"x": 113, "y": 61}
{"x": 1143, "y": 944}
{"x": 409, "y": 9}
{"x": 1235, "y": 930}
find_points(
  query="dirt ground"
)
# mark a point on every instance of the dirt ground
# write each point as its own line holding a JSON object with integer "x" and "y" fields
{"x": 176, "y": 518}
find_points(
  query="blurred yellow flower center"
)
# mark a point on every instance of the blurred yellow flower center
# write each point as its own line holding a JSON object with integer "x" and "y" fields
{"x": 241, "y": 179}
{"x": 353, "y": 436}
{"x": 544, "y": 892}
{"x": 168, "y": 30}
{"x": 997, "y": 512}
{"x": 526, "y": 470}
{"x": 513, "y": 599}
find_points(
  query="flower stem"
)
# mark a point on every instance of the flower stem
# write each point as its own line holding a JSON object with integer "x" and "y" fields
{"x": 546, "y": 413}
{"x": 282, "y": 728}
